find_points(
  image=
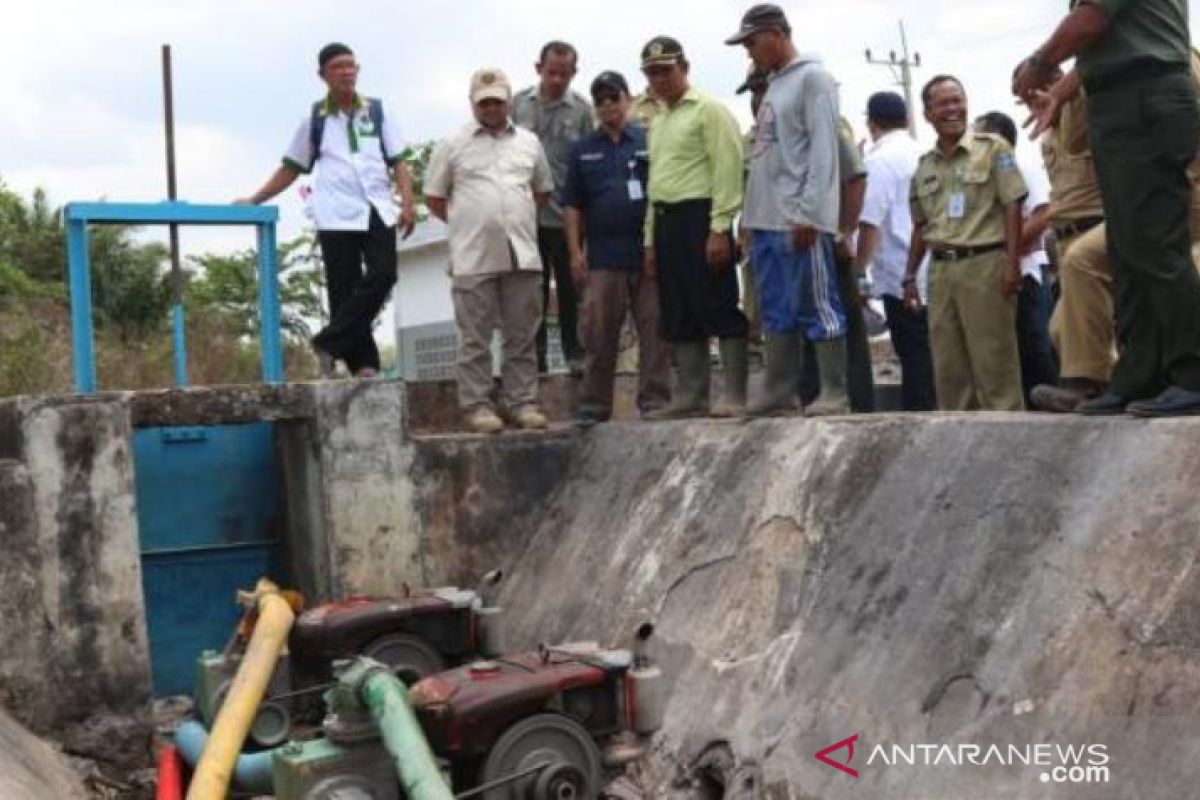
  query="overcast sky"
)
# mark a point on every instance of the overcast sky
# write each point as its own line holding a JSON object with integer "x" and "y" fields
{"x": 83, "y": 105}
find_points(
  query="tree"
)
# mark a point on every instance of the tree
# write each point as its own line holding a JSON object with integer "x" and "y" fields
{"x": 228, "y": 285}
{"x": 417, "y": 158}
{"x": 129, "y": 292}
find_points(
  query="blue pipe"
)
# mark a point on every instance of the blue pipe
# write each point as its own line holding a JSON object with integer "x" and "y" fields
{"x": 252, "y": 773}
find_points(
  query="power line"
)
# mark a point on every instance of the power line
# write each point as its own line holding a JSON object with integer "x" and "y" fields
{"x": 902, "y": 70}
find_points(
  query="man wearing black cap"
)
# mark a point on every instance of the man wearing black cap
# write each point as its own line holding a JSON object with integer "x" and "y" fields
{"x": 793, "y": 213}
{"x": 604, "y": 199}
{"x": 695, "y": 190}
{"x": 884, "y": 232}
{"x": 357, "y": 152}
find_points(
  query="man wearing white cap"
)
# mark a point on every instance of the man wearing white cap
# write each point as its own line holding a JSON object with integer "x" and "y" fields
{"x": 487, "y": 182}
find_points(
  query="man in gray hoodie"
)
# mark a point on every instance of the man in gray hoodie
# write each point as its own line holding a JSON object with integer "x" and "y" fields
{"x": 791, "y": 211}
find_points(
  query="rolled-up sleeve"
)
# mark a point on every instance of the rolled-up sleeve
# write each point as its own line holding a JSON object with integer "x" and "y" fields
{"x": 299, "y": 155}
{"x": 393, "y": 141}
{"x": 723, "y": 144}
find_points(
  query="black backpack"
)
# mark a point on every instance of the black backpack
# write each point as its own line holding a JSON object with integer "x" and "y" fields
{"x": 316, "y": 127}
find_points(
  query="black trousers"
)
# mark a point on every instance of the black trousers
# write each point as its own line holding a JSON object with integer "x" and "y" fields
{"x": 355, "y": 296}
{"x": 910, "y": 338}
{"x": 860, "y": 380}
{"x": 1038, "y": 364}
{"x": 552, "y": 247}
{"x": 1144, "y": 133}
{"x": 696, "y": 302}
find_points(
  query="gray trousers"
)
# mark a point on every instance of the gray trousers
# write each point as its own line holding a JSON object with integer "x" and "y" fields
{"x": 512, "y": 302}
{"x": 609, "y": 294}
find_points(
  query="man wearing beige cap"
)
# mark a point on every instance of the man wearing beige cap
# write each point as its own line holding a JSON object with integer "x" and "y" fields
{"x": 487, "y": 182}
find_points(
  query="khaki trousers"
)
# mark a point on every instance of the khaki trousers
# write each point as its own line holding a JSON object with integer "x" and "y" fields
{"x": 512, "y": 302}
{"x": 1082, "y": 323}
{"x": 972, "y": 332}
{"x": 607, "y": 297}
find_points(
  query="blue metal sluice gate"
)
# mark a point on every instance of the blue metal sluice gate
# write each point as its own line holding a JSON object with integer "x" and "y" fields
{"x": 210, "y": 519}
{"x": 209, "y": 504}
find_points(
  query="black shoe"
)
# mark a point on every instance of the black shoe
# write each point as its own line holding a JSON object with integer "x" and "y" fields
{"x": 1173, "y": 402}
{"x": 1106, "y": 405}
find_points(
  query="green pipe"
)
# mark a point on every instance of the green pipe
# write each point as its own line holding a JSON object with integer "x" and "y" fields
{"x": 386, "y": 698}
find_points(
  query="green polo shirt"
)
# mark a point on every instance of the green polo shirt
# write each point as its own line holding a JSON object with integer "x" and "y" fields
{"x": 696, "y": 154}
{"x": 1139, "y": 30}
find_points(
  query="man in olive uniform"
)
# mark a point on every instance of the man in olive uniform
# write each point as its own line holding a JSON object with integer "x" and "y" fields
{"x": 966, "y": 208}
{"x": 1132, "y": 59}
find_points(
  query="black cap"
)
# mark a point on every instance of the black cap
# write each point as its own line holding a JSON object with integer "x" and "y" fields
{"x": 610, "y": 81}
{"x": 332, "y": 51}
{"x": 762, "y": 17}
{"x": 887, "y": 107}
{"x": 662, "y": 50}
{"x": 756, "y": 80}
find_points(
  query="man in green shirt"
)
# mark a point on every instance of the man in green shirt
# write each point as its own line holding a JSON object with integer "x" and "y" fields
{"x": 694, "y": 189}
{"x": 1132, "y": 58}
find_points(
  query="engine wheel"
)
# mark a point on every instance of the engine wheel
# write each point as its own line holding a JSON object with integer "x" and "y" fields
{"x": 408, "y": 656}
{"x": 573, "y": 759}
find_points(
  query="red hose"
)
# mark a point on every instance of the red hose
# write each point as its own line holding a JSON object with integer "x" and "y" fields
{"x": 169, "y": 785}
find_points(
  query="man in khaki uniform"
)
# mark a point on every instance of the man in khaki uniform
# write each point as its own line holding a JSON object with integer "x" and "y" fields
{"x": 966, "y": 208}
{"x": 486, "y": 182}
{"x": 1082, "y": 325}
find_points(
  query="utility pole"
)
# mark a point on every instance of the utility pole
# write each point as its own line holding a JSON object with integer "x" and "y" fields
{"x": 902, "y": 70}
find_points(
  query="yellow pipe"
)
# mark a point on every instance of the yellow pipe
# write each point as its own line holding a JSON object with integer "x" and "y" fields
{"x": 214, "y": 772}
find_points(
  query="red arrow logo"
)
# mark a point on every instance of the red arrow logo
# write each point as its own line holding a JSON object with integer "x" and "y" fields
{"x": 823, "y": 756}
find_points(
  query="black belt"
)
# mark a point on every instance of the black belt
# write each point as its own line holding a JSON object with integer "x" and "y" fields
{"x": 681, "y": 206}
{"x": 1075, "y": 227}
{"x": 954, "y": 253}
{"x": 1137, "y": 71}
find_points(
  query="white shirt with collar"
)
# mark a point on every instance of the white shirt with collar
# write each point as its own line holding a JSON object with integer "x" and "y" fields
{"x": 1038, "y": 183}
{"x": 353, "y": 173}
{"x": 490, "y": 181}
{"x": 891, "y": 161}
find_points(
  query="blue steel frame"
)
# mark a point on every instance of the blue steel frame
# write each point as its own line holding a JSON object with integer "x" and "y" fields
{"x": 80, "y": 215}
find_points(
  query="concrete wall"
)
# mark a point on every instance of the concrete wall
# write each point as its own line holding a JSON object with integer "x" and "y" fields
{"x": 30, "y": 769}
{"x": 72, "y": 636}
{"x": 72, "y": 620}
{"x": 912, "y": 580}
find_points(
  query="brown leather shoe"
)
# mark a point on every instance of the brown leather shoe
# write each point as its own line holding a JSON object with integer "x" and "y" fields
{"x": 1066, "y": 396}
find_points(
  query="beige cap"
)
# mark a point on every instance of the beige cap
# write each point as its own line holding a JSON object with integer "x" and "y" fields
{"x": 490, "y": 84}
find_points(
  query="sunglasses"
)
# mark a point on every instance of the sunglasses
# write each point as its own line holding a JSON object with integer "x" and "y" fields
{"x": 605, "y": 98}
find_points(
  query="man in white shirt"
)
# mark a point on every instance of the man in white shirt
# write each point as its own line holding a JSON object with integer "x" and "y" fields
{"x": 487, "y": 182}
{"x": 1033, "y": 299}
{"x": 884, "y": 230}
{"x": 355, "y": 151}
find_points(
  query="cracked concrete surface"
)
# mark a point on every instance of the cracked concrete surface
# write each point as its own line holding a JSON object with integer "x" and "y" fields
{"x": 948, "y": 579}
